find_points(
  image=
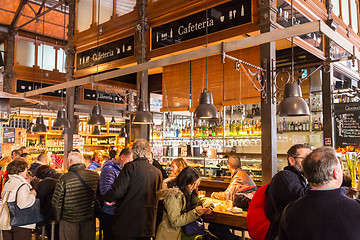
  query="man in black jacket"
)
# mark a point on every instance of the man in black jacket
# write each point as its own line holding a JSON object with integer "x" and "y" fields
{"x": 324, "y": 212}
{"x": 134, "y": 191}
{"x": 73, "y": 206}
{"x": 285, "y": 187}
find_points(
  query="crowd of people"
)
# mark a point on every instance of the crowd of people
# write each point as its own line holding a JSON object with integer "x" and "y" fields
{"x": 132, "y": 196}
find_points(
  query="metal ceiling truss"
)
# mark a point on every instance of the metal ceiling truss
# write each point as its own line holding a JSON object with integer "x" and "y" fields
{"x": 294, "y": 31}
{"x": 38, "y": 14}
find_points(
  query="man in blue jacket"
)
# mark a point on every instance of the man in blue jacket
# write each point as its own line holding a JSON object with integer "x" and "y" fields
{"x": 286, "y": 186}
{"x": 111, "y": 170}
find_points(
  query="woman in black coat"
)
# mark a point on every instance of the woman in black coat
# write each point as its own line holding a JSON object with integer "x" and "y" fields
{"x": 45, "y": 191}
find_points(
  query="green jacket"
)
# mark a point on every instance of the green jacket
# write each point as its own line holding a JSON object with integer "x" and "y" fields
{"x": 71, "y": 201}
{"x": 173, "y": 218}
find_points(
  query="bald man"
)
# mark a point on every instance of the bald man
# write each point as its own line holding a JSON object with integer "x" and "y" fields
{"x": 239, "y": 181}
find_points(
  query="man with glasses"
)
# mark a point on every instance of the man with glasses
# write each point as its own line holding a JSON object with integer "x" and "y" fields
{"x": 285, "y": 187}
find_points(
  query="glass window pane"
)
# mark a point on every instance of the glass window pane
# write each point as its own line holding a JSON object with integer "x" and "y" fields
{"x": 336, "y": 7}
{"x": 49, "y": 57}
{"x": 124, "y": 6}
{"x": 105, "y": 10}
{"x": 354, "y": 19}
{"x": 61, "y": 61}
{"x": 345, "y": 11}
{"x": 25, "y": 53}
{"x": 84, "y": 16}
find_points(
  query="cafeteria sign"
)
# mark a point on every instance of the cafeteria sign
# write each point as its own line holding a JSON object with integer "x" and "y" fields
{"x": 106, "y": 53}
{"x": 224, "y": 16}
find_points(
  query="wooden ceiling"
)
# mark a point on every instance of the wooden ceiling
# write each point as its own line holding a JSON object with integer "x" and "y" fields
{"x": 50, "y": 24}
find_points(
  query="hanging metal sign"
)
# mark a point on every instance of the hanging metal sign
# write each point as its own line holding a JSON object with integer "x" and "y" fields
{"x": 106, "y": 53}
{"x": 347, "y": 122}
{"x": 221, "y": 17}
{"x": 25, "y": 86}
{"x": 102, "y": 96}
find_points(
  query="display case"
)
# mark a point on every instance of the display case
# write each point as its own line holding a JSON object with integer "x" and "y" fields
{"x": 217, "y": 168}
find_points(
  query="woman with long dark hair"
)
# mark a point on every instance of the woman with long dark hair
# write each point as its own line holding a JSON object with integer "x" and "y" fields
{"x": 181, "y": 205}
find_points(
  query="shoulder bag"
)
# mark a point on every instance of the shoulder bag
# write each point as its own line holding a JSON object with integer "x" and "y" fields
{"x": 196, "y": 227}
{"x": 4, "y": 213}
{"x": 25, "y": 216}
{"x": 97, "y": 206}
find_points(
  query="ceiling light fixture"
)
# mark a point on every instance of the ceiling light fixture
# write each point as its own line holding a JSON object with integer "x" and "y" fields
{"x": 206, "y": 109}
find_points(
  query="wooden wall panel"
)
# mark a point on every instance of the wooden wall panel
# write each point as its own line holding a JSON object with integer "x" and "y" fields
{"x": 215, "y": 79}
{"x": 176, "y": 87}
{"x": 237, "y": 86}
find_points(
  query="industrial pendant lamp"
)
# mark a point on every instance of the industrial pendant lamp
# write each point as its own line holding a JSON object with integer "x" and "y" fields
{"x": 39, "y": 123}
{"x": 293, "y": 104}
{"x": 113, "y": 117}
{"x": 142, "y": 114}
{"x": 61, "y": 120}
{"x": 123, "y": 132}
{"x": 96, "y": 117}
{"x": 96, "y": 131}
{"x": 206, "y": 109}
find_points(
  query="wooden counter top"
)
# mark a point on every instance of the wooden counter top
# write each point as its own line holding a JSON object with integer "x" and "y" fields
{"x": 226, "y": 217}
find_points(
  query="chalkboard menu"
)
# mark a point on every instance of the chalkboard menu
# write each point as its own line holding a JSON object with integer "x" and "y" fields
{"x": 221, "y": 17}
{"x": 347, "y": 122}
{"x": 8, "y": 135}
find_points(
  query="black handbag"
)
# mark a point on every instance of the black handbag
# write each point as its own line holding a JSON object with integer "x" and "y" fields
{"x": 98, "y": 210}
{"x": 196, "y": 227}
{"x": 25, "y": 216}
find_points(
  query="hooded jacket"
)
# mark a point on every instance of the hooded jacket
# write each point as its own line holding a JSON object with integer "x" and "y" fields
{"x": 71, "y": 201}
{"x": 174, "y": 217}
{"x": 111, "y": 170}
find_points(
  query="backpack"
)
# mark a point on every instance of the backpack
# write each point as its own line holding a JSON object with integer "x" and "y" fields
{"x": 257, "y": 221}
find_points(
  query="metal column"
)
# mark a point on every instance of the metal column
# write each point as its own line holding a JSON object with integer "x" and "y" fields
{"x": 267, "y": 12}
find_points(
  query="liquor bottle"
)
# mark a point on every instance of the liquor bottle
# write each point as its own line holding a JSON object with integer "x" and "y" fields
{"x": 292, "y": 126}
{"x": 296, "y": 128}
{"x": 221, "y": 129}
{"x": 288, "y": 126}
{"x": 280, "y": 126}
{"x": 316, "y": 125}
{"x": 227, "y": 129}
{"x": 300, "y": 127}
{"x": 284, "y": 125}
{"x": 320, "y": 124}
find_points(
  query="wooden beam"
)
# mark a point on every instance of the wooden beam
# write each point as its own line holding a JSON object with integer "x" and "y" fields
{"x": 203, "y": 52}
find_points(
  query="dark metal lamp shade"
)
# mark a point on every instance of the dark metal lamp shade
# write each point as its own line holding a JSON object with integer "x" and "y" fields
{"x": 61, "y": 120}
{"x": 39, "y": 125}
{"x": 96, "y": 117}
{"x": 96, "y": 131}
{"x": 142, "y": 115}
{"x": 123, "y": 132}
{"x": 206, "y": 109}
{"x": 293, "y": 104}
{"x": 113, "y": 119}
